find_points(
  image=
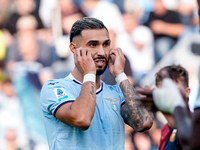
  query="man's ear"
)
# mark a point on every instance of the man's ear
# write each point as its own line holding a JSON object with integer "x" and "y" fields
{"x": 72, "y": 47}
{"x": 188, "y": 91}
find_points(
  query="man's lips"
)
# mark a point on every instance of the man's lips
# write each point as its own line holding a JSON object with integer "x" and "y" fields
{"x": 100, "y": 62}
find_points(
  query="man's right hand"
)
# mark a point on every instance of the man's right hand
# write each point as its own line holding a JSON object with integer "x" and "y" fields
{"x": 84, "y": 61}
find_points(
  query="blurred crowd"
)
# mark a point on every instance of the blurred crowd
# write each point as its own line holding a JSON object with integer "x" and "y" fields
{"x": 34, "y": 47}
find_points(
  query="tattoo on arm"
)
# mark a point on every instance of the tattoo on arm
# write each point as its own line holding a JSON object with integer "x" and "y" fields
{"x": 133, "y": 115}
{"x": 92, "y": 92}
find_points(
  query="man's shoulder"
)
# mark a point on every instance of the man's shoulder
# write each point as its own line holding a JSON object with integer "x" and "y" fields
{"x": 52, "y": 83}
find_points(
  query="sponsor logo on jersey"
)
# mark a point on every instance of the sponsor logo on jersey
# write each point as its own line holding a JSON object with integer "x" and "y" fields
{"x": 60, "y": 93}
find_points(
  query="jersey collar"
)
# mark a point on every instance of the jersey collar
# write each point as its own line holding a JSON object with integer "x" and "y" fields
{"x": 78, "y": 82}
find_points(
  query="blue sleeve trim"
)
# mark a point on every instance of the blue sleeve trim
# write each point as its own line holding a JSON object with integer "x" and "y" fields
{"x": 60, "y": 106}
{"x": 123, "y": 103}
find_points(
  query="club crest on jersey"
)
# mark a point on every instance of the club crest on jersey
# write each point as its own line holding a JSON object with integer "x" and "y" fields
{"x": 60, "y": 93}
{"x": 113, "y": 102}
{"x": 173, "y": 136}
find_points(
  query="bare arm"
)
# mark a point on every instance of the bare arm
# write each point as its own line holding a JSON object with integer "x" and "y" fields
{"x": 134, "y": 115}
{"x": 170, "y": 29}
{"x": 80, "y": 112}
{"x": 173, "y": 30}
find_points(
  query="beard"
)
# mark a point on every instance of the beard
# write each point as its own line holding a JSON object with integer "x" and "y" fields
{"x": 100, "y": 71}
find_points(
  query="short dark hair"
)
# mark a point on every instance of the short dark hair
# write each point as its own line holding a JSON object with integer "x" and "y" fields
{"x": 176, "y": 72}
{"x": 85, "y": 23}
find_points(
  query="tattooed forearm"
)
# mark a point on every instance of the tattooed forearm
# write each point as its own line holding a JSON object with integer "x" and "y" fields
{"x": 92, "y": 92}
{"x": 135, "y": 116}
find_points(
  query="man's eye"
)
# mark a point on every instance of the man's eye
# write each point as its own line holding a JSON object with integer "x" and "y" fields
{"x": 93, "y": 44}
{"x": 107, "y": 44}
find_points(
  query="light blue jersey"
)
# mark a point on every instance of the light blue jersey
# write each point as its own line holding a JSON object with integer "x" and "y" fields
{"x": 197, "y": 102}
{"x": 106, "y": 131}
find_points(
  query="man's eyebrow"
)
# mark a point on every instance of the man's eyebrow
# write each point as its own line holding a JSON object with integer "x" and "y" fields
{"x": 96, "y": 41}
{"x": 108, "y": 40}
{"x": 93, "y": 41}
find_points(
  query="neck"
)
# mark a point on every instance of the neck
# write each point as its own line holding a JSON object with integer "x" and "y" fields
{"x": 79, "y": 76}
{"x": 161, "y": 12}
{"x": 170, "y": 119}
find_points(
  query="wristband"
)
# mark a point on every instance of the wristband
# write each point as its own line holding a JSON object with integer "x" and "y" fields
{"x": 89, "y": 77}
{"x": 121, "y": 77}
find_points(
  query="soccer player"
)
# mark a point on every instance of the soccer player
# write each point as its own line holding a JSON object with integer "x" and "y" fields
{"x": 82, "y": 112}
{"x": 168, "y": 80}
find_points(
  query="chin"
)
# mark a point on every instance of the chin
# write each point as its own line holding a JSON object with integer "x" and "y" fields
{"x": 100, "y": 71}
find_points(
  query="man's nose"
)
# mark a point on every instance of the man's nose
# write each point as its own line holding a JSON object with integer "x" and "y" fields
{"x": 101, "y": 51}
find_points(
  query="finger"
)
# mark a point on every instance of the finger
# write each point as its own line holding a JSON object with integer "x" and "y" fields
{"x": 77, "y": 52}
{"x": 110, "y": 61}
{"x": 112, "y": 57}
{"x": 145, "y": 100}
{"x": 147, "y": 106}
{"x": 83, "y": 52}
{"x": 116, "y": 51}
{"x": 144, "y": 92}
{"x": 75, "y": 56}
{"x": 89, "y": 54}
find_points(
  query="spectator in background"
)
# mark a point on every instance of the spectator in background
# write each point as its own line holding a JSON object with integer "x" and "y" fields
{"x": 13, "y": 131}
{"x": 45, "y": 11}
{"x": 68, "y": 11}
{"x": 5, "y": 11}
{"x": 141, "y": 54}
{"x": 27, "y": 52}
{"x": 23, "y": 7}
{"x": 166, "y": 26}
{"x": 189, "y": 15}
{"x": 2, "y": 46}
{"x": 140, "y": 7}
{"x": 108, "y": 12}
{"x": 27, "y": 62}
{"x": 67, "y": 21}
{"x": 2, "y": 72}
{"x": 119, "y": 3}
{"x": 54, "y": 13}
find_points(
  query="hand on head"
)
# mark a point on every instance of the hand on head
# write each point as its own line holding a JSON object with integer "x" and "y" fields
{"x": 116, "y": 62}
{"x": 84, "y": 61}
